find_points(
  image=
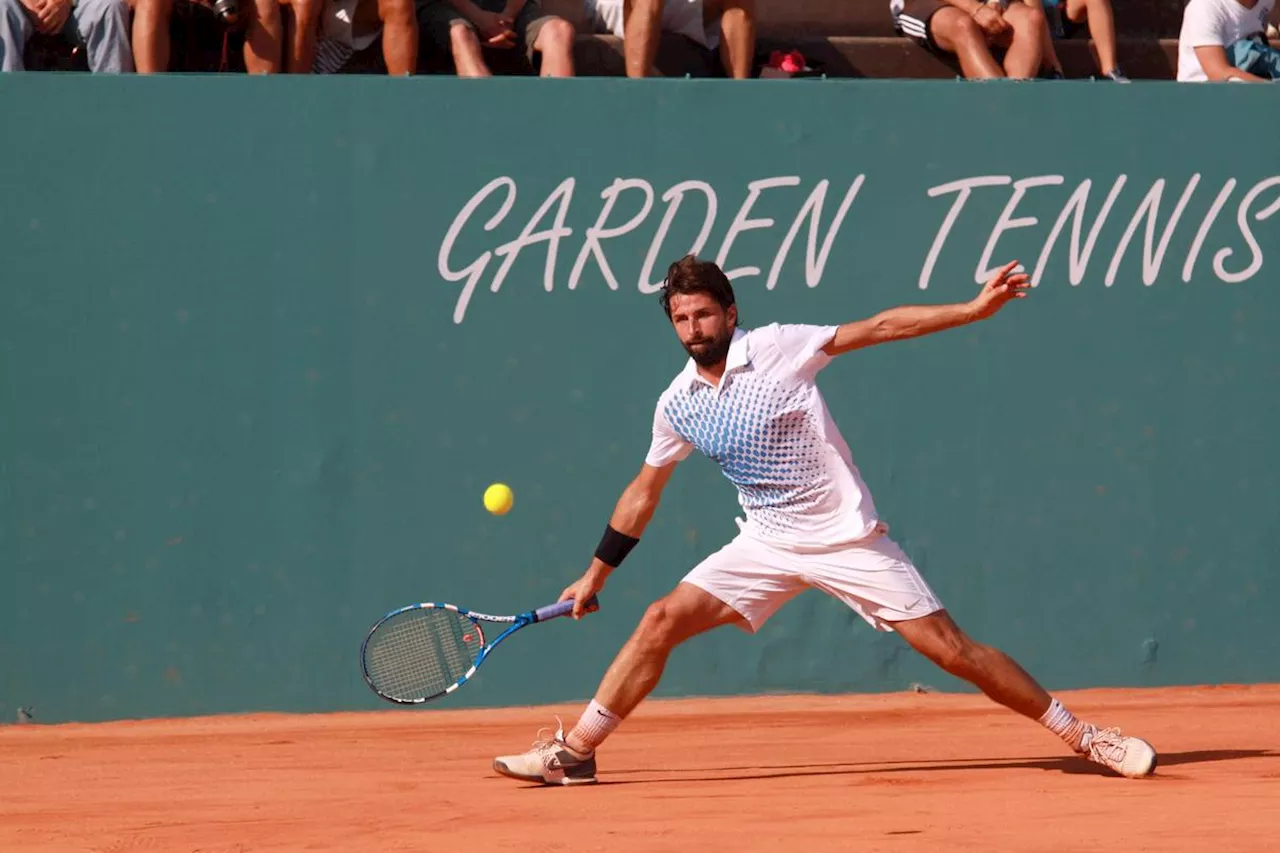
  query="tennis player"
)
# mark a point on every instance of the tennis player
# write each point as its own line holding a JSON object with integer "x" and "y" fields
{"x": 748, "y": 400}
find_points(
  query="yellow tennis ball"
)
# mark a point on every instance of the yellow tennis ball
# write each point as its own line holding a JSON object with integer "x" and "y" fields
{"x": 498, "y": 499}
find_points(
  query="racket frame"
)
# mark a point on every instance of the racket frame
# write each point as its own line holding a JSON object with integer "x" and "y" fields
{"x": 513, "y": 623}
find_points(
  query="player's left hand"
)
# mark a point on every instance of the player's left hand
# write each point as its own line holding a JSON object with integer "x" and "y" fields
{"x": 1002, "y": 287}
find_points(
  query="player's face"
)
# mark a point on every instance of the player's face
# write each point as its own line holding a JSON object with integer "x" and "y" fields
{"x": 704, "y": 328}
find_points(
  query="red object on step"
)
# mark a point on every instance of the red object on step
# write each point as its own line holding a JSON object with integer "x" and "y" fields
{"x": 791, "y": 61}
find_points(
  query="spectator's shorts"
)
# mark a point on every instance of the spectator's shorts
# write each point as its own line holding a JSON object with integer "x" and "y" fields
{"x": 346, "y": 27}
{"x": 437, "y": 17}
{"x": 913, "y": 17}
{"x": 685, "y": 17}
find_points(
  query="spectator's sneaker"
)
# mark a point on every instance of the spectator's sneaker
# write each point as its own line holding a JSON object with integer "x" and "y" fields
{"x": 1116, "y": 76}
{"x": 550, "y": 762}
{"x": 1053, "y": 74}
{"x": 1128, "y": 756}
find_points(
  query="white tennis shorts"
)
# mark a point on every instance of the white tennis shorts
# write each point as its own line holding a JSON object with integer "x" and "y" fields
{"x": 873, "y": 577}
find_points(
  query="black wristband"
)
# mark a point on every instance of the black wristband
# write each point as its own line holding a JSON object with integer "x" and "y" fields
{"x": 614, "y": 547}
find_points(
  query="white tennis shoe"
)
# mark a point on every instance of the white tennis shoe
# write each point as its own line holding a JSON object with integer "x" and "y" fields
{"x": 1128, "y": 756}
{"x": 551, "y": 762}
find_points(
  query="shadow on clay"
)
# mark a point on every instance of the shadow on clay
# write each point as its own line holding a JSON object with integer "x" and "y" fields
{"x": 1066, "y": 764}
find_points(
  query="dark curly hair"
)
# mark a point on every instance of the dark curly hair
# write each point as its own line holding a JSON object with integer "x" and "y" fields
{"x": 690, "y": 275}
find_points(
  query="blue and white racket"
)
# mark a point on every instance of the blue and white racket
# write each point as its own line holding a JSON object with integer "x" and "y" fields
{"x": 424, "y": 651}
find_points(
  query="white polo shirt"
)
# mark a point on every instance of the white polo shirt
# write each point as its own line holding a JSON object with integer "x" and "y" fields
{"x": 768, "y": 428}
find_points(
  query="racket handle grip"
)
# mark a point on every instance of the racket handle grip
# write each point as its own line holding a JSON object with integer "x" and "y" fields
{"x": 560, "y": 608}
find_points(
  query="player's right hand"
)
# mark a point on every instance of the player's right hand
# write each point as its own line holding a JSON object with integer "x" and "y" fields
{"x": 581, "y": 592}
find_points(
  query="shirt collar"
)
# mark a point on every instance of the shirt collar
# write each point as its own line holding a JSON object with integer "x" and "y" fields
{"x": 739, "y": 356}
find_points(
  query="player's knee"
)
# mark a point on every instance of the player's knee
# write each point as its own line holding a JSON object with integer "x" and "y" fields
{"x": 963, "y": 657}
{"x": 951, "y": 650}
{"x": 658, "y": 627}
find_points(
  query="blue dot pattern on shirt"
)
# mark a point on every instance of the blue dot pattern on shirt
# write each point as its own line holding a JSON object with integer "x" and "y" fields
{"x": 764, "y": 439}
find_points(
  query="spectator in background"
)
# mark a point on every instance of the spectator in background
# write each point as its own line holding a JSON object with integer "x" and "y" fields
{"x": 968, "y": 29}
{"x": 281, "y": 36}
{"x": 465, "y": 27}
{"x": 726, "y": 24}
{"x": 151, "y": 35}
{"x": 1064, "y": 19}
{"x": 288, "y": 32}
{"x": 348, "y": 26}
{"x": 101, "y": 26}
{"x": 1225, "y": 40}
{"x": 264, "y": 50}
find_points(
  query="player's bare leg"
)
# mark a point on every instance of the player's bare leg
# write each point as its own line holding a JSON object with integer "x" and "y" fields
{"x": 570, "y": 759}
{"x": 999, "y": 676}
{"x": 682, "y": 614}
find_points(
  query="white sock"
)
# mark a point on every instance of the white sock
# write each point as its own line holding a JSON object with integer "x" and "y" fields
{"x": 1064, "y": 724}
{"x": 595, "y": 724}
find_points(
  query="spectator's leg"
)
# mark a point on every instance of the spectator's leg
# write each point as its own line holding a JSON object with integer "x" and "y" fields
{"x": 643, "y": 27}
{"x": 263, "y": 38}
{"x": 151, "y": 35}
{"x": 15, "y": 30}
{"x": 399, "y": 37}
{"x": 1026, "y": 47}
{"x": 1048, "y": 51}
{"x": 444, "y": 28}
{"x": 956, "y": 32}
{"x": 103, "y": 26}
{"x": 737, "y": 35}
{"x": 553, "y": 37}
{"x": 301, "y": 20}
{"x": 1102, "y": 28}
{"x": 465, "y": 45}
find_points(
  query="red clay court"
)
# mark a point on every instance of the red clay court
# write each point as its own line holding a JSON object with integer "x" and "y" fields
{"x": 900, "y": 773}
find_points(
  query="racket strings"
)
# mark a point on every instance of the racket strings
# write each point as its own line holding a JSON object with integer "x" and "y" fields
{"x": 421, "y": 653}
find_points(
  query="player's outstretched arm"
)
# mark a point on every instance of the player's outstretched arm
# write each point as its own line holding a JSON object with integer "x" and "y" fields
{"x": 912, "y": 321}
{"x": 631, "y": 515}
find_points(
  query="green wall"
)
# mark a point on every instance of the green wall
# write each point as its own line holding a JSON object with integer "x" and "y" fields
{"x": 245, "y": 410}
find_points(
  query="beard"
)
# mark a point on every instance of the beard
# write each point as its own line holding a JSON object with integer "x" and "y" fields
{"x": 708, "y": 352}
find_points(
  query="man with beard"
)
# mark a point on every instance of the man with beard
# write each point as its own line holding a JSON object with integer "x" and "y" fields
{"x": 749, "y": 400}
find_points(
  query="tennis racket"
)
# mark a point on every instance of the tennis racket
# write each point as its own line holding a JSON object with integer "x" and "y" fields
{"x": 424, "y": 651}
